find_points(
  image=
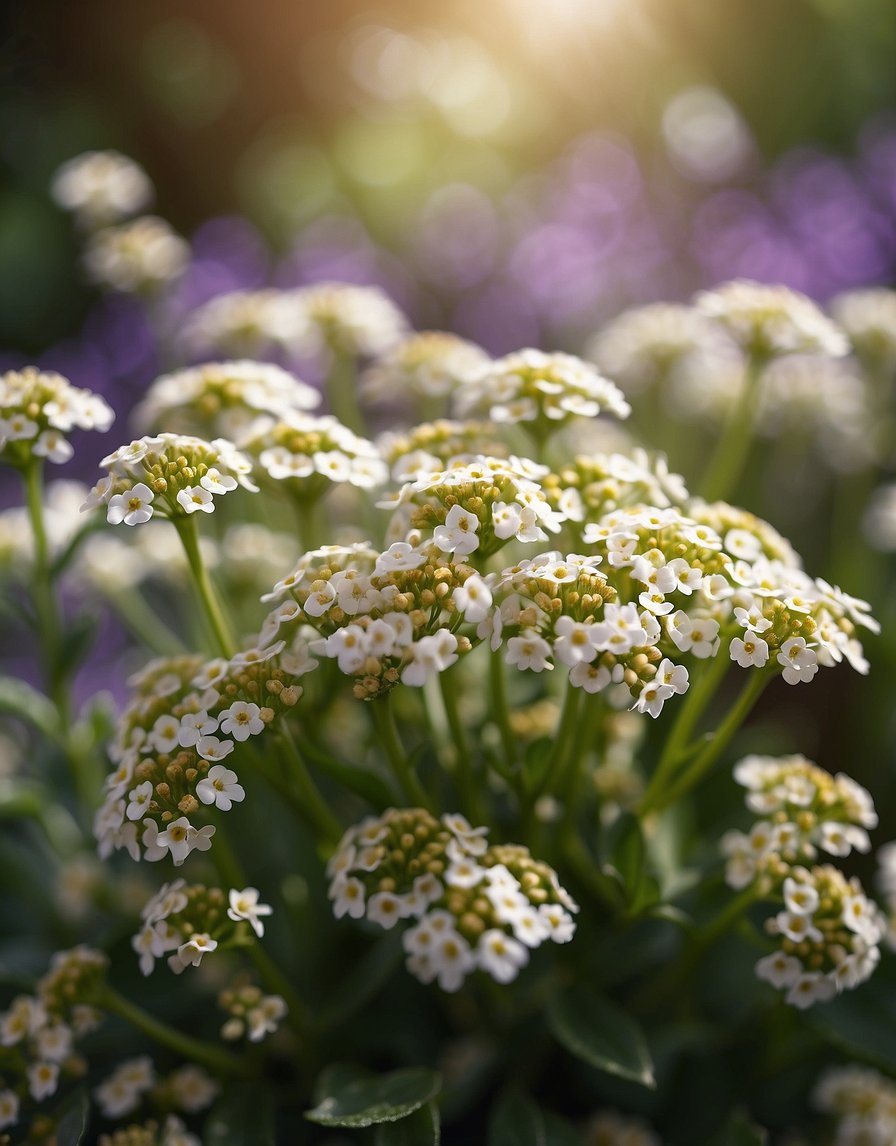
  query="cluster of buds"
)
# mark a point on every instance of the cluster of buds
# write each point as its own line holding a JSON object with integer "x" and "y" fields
{"x": 171, "y": 475}
{"x": 474, "y": 907}
{"x": 188, "y": 1089}
{"x": 251, "y": 1013}
{"x": 383, "y": 617}
{"x": 186, "y": 717}
{"x": 424, "y": 366}
{"x": 828, "y": 931}
{"x": 38, "y": 409}
{"x": 590, "y": 486}
{"x": 244, "y": 324}
{"x": 862, "y": 1103}
{"x": 439, "y": 445}
{"x": 38, "y": 1032}
{"x": 171, "y": 1132}
{"x": 186, "y": 921}
{"x": 312, "y": 453}
{"x": 137, "y": 257}
{"x": 222, "y": 399}
{"x": 475, "y": 506}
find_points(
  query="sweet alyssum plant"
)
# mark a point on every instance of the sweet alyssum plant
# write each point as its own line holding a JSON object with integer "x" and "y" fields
{"x": 411, "y": 766}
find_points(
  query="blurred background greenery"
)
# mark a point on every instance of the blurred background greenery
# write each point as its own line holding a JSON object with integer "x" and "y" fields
{"x": 427, "y": 129}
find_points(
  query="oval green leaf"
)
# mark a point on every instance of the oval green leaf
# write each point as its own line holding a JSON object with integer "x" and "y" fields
{"x": 422, "y": 1128}
{"x": 346, "y": 1097}
{"x": 599, "y": 1033}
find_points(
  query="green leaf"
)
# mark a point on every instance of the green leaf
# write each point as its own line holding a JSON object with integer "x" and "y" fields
{"x": 599, "y": 1033}
{"x": 536, "y": 762}
{"x": 242, "y": 1116}
{"x": 22, "y": 800}
{"x": 861, "y": 1023}
{"x": 627, "y": 852}
{"x": 72, "y": 1126}
{"x": 518, "y": 1121}
{"x": 422, "y": 1128}
{"x": 20, "y": 699}
{"x": 348, "y": 1097}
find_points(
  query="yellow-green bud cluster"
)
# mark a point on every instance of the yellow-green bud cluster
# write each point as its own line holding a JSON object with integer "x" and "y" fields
{"x": 186, "y": 717}
{"x": 383, "y": 617}
{"x": 137, "y": 257}
{"x": 171, "y": 1132}
{"x": 251, "y": 1013}
{"x": 222, "y": 399}
{"x": 438, "y": 445}
{"x": 347, "y": 319}
{"x": 591, "y": 486}
{"x": 183, "y": 921}
{"x": 38, "y": 409}
{"x": 477, "y": 504}
{"x": 475, "y": 907}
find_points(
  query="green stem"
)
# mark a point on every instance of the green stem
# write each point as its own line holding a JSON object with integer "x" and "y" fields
{"x": 500, "y": 712}
{"x": 387, "y": 733}
{"x": 342, "y": 391}
{"x": 194, "y": 1050}
{"x": 692, "y": 708}
{"x": 189, "y": 536}
{"x": 705, "y": 759}
{"x": 46, "y": 609}
{"x": 308, "y": 516}
{"x": 563, "y": 738}
{"x": 464, "y": 774}
{"x": 324, "y": 823}
{"x": 144, "y": 623}
{"x": 734, "y": 442}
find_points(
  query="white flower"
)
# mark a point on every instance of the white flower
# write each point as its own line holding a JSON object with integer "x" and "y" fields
{"x": 241, "y": 720}
{"x": 800, "y": 663}
{"x": 452, "y": 960}
{"x": 501, "y": 956}
{"x": 779, "y": 969}
{"x": 652, "y": 698}
{"x": 220, "y": 788}
{"x": 348, "y": 897}
{"x": 43, "y": 1078}
{"x": 263, "y": 1019}
{"x": 698, "y": 636}
{"x": 176, "y": 840}
{"x": 574, "y": 644}
{"x": 9, "y": 1108}
{"x": 194, "y": 498}
{"x": 431, "y": 654}
{"x": 473, "y": 599}
{"x": 384, "y": 908}
{"x": 132, "y": 507}
{"x": 190, "y": 953}
{"x": 193, "y": 1089}
{"x": 809, "y": 988}
{"x": 463, "y": 872}
{"x": 529, "y": 651}
{"x": 459, "y": 534}
{"x": 53, "y": 446}
{"x": 750, "y": 651}
{"x": 672, "y": 676}
{"x": 801, "y": 898}
{"x": 139, "y": 800}
{"x": 557, "y": 919}
{"x": 244, "y": 905}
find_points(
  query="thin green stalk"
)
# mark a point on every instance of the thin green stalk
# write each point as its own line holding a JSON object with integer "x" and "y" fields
{"x": 46, "y": 608}
{"x": 194, "y": 1050}
{"x": 214, "y": 613}
{"x": 691, "y": 709}
{"x": 342, "y": 391}
{"x": 325, "y": 824}
{"x": 145, "y": 623}
{"x": 500, "y": 712}
{"x": 705, "y": 759}
{"x": 464, "y": 774}
{"x": 387, "y": 733}
{"x": 308, "y": 516}
{"x": 734, "y": 442}
{"x": 564, "y": 737}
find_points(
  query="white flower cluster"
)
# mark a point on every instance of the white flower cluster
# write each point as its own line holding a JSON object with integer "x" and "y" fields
{"x": 869, "y": 318}
{"x": 245, "y": 324}
{"x": 101, "y": 187}
{"x": 171, "y": 1132}
{"x": 223, "y": 398}
{"x": 38, "y": 409}
{"x": 189, "y": 1088}
{"x": 40, "y": 1030}
{"x": 313, "y": 451}
{"x": 805, "y": 810}
{"x": 771, "y": 320}
{"x": 172, "y": 475}
{"x": 828, "y": 931}
{"x": 863, "y": 1103}
{"x": 424, "y": 365}
{"x": 361, "y": 321}
{"x": 187, "y": 716}
{"x": 474, "y": 907}
{"x": 186, "y": 922}
{"x": 476, "y": 505}
{"x": 383, "y": 617}
{"x": 595, "y": 484}
{"x": 138, "y": 256}
{"x": 533, "y": 387}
